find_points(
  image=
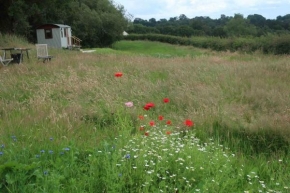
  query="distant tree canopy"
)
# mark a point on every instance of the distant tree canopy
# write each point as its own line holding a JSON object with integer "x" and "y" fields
{"x": 96, "y": 22}
{"x": 254, "y": 25}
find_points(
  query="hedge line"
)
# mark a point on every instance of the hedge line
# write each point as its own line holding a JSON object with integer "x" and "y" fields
{"x": 269, "y": 44}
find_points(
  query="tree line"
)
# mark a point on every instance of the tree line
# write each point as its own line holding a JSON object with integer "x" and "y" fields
{"x": 95, "y": 22}
{"x": 226, "y": 26}
{"x": 100, "y": 22}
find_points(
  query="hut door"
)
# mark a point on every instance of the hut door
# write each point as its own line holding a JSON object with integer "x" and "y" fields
{"x": 67, "y": 36}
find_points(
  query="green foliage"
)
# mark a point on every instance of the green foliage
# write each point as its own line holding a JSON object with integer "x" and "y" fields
{"x": 254, "y": 25}
{"x": 140, "y": 29}
{"x": 97, "y": 23}
{"x": 257, "y": 20}
{"x": 185, "y": 31}
{"x": 238, "y": 26}
{"x": 279, "y": 45}
{"x": 219, "y": 32}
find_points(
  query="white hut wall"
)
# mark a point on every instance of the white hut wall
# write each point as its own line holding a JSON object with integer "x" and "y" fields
{"x": 64, "y": 39}
{"x": 55, "y": 41}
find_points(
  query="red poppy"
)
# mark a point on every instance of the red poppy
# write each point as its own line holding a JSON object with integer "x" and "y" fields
{"x": 141, "y": 117}
{"x": 147, "y": 134}
{"x": 168, "y": 132}
{"x": 118, "y": 74}
{"x": 168, "y": 122}
{"x": 152, "y": 123}
{"x": 148, "y": 106}
{"x": 160, "y": 118}
{"x": 141, "y": 128}
{"x": 188, "y": 122}
{"x": 166, "y": 100}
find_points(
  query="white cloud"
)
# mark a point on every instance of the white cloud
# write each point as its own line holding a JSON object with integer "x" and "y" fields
{"x": 247, "y": 3}
{"x": 169, "y": 8}
{"x": 273, "y": 2}
{"x": 194, "y": 7}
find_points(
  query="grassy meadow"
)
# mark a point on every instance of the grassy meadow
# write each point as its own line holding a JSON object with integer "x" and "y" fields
{"x": 269, "y": 44}
{"x": 155, "y": 49}
{"x": 64, "y": 125}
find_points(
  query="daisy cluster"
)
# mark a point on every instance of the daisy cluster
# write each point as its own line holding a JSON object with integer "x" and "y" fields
{"x": 181, "y": 162}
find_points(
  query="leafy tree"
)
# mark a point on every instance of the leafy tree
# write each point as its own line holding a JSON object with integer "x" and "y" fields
{"x": 257, "y": 20}
{"x": 196, "y": 24}
{"x": 183, "y": 20}
{"x": 173, "y": 19}
{"x": 238, "y": 26}
{"x": 163, "y": 22}
{"x": 185, "y": 31}
{"x": 141, "y": 29}
{"x": 141, "y": 21}
{"x": 198, "y": 33}
{"x": 219, "y": 32}
{"x": 274, "y": 25}
{"x": 96, "y": 22}
{"x": 168, "y": 30}
{"x": 152, "y": 22}
{"x": 183, "y": 17}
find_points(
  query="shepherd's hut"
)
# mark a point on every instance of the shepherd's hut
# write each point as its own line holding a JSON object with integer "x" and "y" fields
{"x": 57, "y": 36}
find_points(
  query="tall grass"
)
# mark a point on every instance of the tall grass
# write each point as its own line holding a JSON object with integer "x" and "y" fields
{"x": 73, "y": 109}
{"x": 11, "y": 40}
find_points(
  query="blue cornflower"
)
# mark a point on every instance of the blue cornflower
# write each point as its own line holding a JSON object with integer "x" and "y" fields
{"x": 37, "y": 156}
{"x": 113, "y": 146}
{"x": 120, "y": 175}
{"x": 14, "y": 139}
{"x": 51, "y": 139}
{"x": 13, "y": 136}
{"x": 61, "y": 153}
{"x": 51, "y": 152}
{"x": 2, "y": 145}
{"x": 1, "y": 153}
{"x": 66, "y": 149}
{"x": 45, "y": 172}
{"x": 42, "y": 151}
{"x": 128, "y": 156}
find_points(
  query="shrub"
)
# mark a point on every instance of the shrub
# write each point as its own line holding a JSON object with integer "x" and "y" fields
{"x": 282, "y": 45}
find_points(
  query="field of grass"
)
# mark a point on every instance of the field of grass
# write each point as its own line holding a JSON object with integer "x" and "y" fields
{"x": 270, "y": 44}
{"x": 156, "y": 49}
{"x": 64, "y": 125}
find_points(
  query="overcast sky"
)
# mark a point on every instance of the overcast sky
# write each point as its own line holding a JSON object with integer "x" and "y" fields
{"x": 159, "y": 9}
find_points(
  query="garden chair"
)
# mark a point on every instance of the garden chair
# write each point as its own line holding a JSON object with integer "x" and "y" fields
{"x": 5, "y": 62}
{"x": 42, "y": 52}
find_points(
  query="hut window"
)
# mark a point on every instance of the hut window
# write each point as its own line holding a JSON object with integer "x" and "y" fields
{"x": 48, "y": 33}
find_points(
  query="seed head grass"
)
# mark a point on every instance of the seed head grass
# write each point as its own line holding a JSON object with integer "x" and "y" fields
{"x": 64, "y": 125}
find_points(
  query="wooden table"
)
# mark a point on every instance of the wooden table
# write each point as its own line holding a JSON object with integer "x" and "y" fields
{"x": 21, "y": 50}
